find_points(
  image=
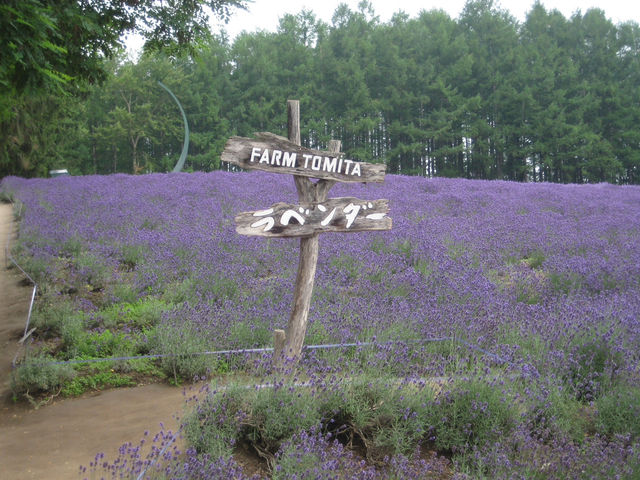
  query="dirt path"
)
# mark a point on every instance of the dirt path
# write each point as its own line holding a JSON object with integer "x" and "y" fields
{"x": 53, "y": 441}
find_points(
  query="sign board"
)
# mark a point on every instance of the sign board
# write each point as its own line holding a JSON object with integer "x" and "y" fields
{"x": 346, "y": 214}
{"x": 315, "y": 214}
{"x": 272, "y": 153}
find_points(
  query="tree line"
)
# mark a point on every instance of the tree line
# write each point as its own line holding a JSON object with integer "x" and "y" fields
{"x": 482, "y": 96}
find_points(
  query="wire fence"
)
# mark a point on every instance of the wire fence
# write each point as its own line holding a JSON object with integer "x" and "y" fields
{"x": 9, "y": 259}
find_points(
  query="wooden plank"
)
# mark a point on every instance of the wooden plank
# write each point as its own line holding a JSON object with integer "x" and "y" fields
{"x": 272, "y": 153}
{"x": 345, "y": 214}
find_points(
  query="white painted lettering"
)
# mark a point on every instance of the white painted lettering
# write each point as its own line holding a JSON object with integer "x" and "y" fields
{"x": 351, "y": 212}
{"x": 267, "y": 222}
{"x": 317, "y": 160}
{"x": 307, "y": 157}
{"x": 348, "y": 164}
{"x": 289, "y": 159}
{"x": 255, "y": 153}
{"x": 265, "y": 156}
{"x": 330, "y": 164}
{"x": 288, "y": 215}
{"x": 328, "y": 218}
{"x": 275, "y": 158}
{"x": 340, "y": 166}
{"x": 356, "y": 169}
{"x": 262, "y": 213}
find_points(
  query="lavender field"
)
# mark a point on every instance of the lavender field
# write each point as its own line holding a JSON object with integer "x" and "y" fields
{"x": 523, "y": 300}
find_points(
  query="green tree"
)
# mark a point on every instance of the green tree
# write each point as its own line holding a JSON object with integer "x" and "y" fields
{"x": 139, "y": 128}
{"x": 54, "y": 46}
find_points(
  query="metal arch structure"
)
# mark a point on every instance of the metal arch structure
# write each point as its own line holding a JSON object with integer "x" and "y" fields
{"x": 185, "y": 144}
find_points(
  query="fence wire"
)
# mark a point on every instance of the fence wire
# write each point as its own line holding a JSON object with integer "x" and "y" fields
{"x": 10, "y": 259}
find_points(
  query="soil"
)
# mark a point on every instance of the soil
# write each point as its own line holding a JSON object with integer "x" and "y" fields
{"x": 53, "y": 440}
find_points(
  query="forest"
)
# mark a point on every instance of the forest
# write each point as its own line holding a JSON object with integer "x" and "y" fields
{"x": 481, "y": 96}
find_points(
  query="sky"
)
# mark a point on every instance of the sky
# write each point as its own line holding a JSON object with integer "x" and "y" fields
{"x": 264, "y": 14}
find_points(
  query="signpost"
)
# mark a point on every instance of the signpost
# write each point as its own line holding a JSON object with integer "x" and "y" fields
{"x": 313, "y": 215}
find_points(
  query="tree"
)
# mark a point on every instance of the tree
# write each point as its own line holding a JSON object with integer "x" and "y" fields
{"x": 55, "y": 46}
{"x": 49, "y": 42}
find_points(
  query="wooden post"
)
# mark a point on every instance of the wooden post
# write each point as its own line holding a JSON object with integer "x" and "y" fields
{"x": 308, "y": 192}
{"x": 278, "y": 345}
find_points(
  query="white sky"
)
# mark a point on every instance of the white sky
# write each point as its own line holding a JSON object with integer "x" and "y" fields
{"x": 264, "y": 14}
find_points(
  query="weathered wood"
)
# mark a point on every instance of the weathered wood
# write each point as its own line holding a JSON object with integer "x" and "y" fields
{"x": 308, "y": 193}
{"x": 272, "y": 153}
{"x": 293, "y": 123}
{"x": 305, "y": 277}
{"x": 278, "y": 344}
{"x": 334, "y": 215}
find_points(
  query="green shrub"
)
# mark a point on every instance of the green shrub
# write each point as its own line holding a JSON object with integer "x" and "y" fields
{"x": 72, "y": 333}
{"x": 143, "y": 313}
{"x": 91, "y": 272}
{"x": 123, "y": 292}
{"x": 385, "y": 418}
{"x": 619, "y": 412}
{"x": 37, "y": 374}
{"x": 50, "y": 315}
{"x": 181, "y": 346}
{"x": 558, "y": 412}
{"x": 248, "y": 334}
{"x": 133, "y": 255}
{"x": 272, "y": 417}
{"x": 7, "y": 196}
{"x": 72, "y": 247}
{"x": 180, "y": 292}
{"x": 96, "y": 381}
{"x": 106, "y": 344}
{"x": 388, "y": 418}
{"x": 593, "y": 367}
{"x": 214, "y": 426}
{"x": 470, "y": 414}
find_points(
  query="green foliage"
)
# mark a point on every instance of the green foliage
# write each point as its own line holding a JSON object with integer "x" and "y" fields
{"x": 248, "y": 334}
{"x": 81, "y": 344}
{"x": 123, "y": 292}
{"x": 593, "y": 366}
{"x": 471, "y": 413}
{"x": 141, "y": 314}
{"x": 133, "y": 255}
{"x": 388, "y": 418}
{"x": 221, "y": 288}
{"x": 480, "y": 96}
{"x": 50, "y": 315}
{"x": 347, "y": 266}
{"x": 271, "y": 413}
{"x": 558, "y": 411}
{"x": 181, "y": 346}
{"x": 91, "y": 271}
{"x": 96, "y": 381}
{"x": 38, "y": 374}
{"x": 215, "y": 425}
{"x": 535, "y": 259}
{"x": 142, "y": 366}
{"x": 619, "y": 411}
{"x": 180, "y": 291}
{"x": 564, "y": 283}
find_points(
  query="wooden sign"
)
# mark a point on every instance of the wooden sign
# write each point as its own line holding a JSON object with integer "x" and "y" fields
{"x": 272, "y": 153}
{"x": 346, "y": 214}
{"x": 315, "y": 213}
